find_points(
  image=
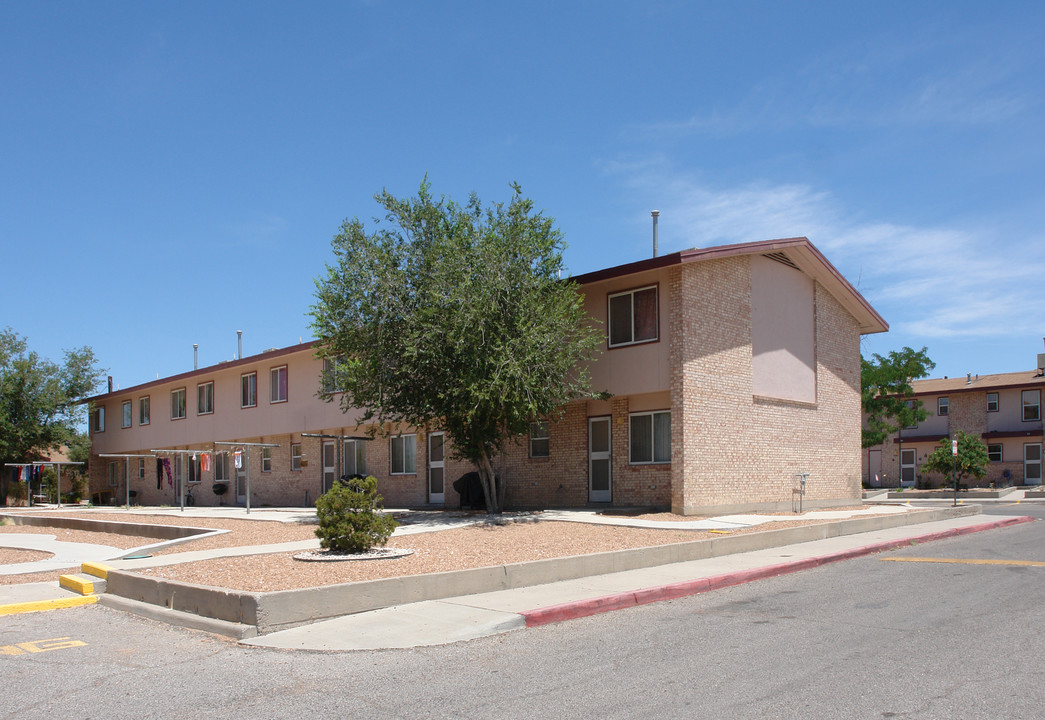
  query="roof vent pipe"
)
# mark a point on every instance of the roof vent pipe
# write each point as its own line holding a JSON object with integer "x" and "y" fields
{"x": 968, "y": 378}
{"x": 655, "y": 214}
{"x": 195, "y": 356}
{"x": 239, "y": 344}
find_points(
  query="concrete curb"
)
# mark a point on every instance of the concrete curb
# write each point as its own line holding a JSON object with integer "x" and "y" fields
{"x": 619, "y": 601}
{"x": 271, "y": 611}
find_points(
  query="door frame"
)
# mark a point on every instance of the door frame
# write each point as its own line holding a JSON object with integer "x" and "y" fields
{"x": 1037, "y": 462}
{"x": 913, "y": 465}
{"x": 436, "y": 498}
{"x": 601, "y": 496}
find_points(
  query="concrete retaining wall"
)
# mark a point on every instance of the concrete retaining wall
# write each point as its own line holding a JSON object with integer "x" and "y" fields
{"x": 165, "y": 532}
{"x": 282, "y": 609}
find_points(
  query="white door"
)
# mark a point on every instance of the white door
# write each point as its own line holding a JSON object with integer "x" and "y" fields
{"x": 600, "y": 482}
{"x": 329, "y": 465}
{"x": 436, "y": 469}
{"x": 907, "y": 468}
{"x": 874, "y": 468}
{"x": 1032, "y": 464}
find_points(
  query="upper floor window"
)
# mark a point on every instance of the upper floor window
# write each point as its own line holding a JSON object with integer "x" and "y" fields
{"x": 127, "y": 413}
{"x": 539, "y": 439}
{"x": 278, "y": 384}
{"x": 650, "y": 437}
{"x": 248, "y": 390}
{"x": 1031, "y": 405}
{"x": 98, "y": 419}
{"x": 404, "y": 454}
{"x": 910, "y": 406}
{"x": 330, "y": 381}
{"x": 992, "y": 402}
{"x": 633, "y": 316}
{"x": 143, "y": 410}
{"x": 942, "y": 406}
{"x": 205, "y": 398}
{"x": 178, "y": 404}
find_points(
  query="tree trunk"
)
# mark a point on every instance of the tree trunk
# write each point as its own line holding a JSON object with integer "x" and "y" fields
{"x": 488, "y": 479}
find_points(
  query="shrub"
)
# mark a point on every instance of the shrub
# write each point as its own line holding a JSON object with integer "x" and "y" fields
{"x": 350, "y": 518}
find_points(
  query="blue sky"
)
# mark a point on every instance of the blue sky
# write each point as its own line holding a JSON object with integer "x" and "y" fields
{"x": 172, "y": 173}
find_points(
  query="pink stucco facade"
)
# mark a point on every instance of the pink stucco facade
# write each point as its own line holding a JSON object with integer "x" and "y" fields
{"x": 730, "y": 371}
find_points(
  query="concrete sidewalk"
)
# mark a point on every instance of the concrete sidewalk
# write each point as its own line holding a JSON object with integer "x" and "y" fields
{"x": 438, "y": 622}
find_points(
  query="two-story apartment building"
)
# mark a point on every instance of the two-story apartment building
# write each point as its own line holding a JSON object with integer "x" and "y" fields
{"x": 1004, "y": 410}
{"x": 731, "y": 369}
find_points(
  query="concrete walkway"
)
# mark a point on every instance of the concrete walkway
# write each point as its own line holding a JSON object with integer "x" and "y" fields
{"x": 437, "y": 622}
{"x": 66, "y": 554}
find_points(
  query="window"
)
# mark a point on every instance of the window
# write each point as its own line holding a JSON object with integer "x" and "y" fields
{"x": 114, "y": 473}
{"x": 1031, "y": 405}
{"x": 178, "y": 404}
{"x": 205, "y": 398}
{"x": 404, "y": 454}
{"x": 195, "y": 472}
{"x": 125, "y": 414}
{"x": 992, "y": 402}
{"x": 942, "y": 406}
{"x": 295, "y": 456}
{"x": 98, "y": 419}
{"x": 221, "y": 467}
{"x": 266, "y": 459}
{"x": 141, "y": 468}
{"x": 278, "y": 384}
{"x": 910, "y": 406}
{"x": 329, "y": 381}
{"x": 355, "y": 457}
{"x": 994, "y": 452}
{"x": 143, "y": 410}
{"x": 539, "y": 439}
{"x": 633, "y": 317}
{"x": 248, "y": 390}
{"x": 651, "y": 437}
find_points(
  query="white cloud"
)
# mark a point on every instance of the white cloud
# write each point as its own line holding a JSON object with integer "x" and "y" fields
{"x": 928, "y": 282}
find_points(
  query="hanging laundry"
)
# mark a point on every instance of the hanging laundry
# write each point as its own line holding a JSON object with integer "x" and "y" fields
{"x": 205, "y": 462}
{"x": 167, "y": 469}
{"x": 238, "y": 459}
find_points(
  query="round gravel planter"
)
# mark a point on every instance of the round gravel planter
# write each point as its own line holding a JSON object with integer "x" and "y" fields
{"x": 372, "y": 554}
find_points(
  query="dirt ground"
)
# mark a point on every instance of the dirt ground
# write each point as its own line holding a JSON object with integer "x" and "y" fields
{"x": 529, "y": 538}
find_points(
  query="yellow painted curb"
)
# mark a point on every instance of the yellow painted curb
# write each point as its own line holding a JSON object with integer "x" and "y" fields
{"x": 96, "y": 568}
{"x": 40, "y": 605}
{"x": 71, "y": 582}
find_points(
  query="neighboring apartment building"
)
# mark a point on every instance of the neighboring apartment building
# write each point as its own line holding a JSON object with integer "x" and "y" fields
{"x": 1003, "y": 410}
{"x": 731, "y": 370}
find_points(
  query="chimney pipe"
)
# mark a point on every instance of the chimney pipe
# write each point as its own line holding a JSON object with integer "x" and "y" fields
{"x": 655, "y": 214}
{"x": 239, "y": 344}
{"x": 110, "y": 383}
{"x": 968, "y": 378}
{"x": 195, "y": 356}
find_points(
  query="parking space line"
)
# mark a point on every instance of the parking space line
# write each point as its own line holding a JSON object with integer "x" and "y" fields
{"x": 966, "y": 561}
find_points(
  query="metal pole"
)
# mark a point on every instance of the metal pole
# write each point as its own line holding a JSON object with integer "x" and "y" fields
{"x": 127, "y": 480}
{"x": 181, "y": 483}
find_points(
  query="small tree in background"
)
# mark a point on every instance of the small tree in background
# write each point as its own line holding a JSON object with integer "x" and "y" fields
{"x": 350, "y": 517}
{"x": 972, "y": 458}
{"x": 886, "y": 391}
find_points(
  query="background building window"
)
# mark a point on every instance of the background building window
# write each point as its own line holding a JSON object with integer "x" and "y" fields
{"x": 295, "y": 456}
{"x": 942, "y": 406}
{"x": 114, "y": 473}
{"x": 992, "y": 402}
{"x": 539, "y": 439}
{"x": 633, "y": 317}
{"x": 278, "y": 384}
{"x": 1031, "y": 405}
{"x": 355, "y": 457}
{"x": 177, "y": 404}
{"x": 205, "y": 398}
{"x": 141, "y": 468}
{"x": 248, "y": 390}
{"x": 266, "y": 459}
{"x": 994, "y": 452}
{"x": 195, "y": 473}
{"x": 404, "y": 454}
{"x": 127, "y": 413}
{"x": 143, "y": 410}
{"x": 650, "y": 437}
{"x": 98, "y": 419}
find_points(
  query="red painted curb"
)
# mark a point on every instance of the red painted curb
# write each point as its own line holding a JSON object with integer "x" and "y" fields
{"x": 619, "y": 601}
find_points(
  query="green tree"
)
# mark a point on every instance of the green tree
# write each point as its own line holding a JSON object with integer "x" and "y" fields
{"x": 39, "y": 399}
{"x": 886, "y": 392}
{"x": 454, "y": 317}
{"x": 971, "y": 461}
